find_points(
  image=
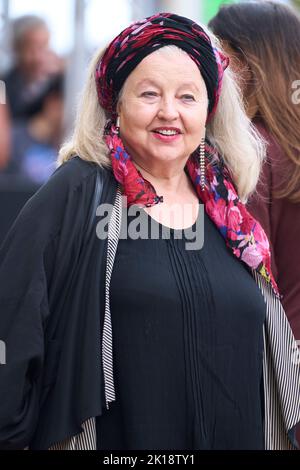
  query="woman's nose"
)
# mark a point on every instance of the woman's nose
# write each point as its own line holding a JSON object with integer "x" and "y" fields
{"x": 168, "y": 110}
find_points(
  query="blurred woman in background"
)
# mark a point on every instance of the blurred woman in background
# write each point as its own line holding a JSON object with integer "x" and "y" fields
{"x": 34, "y": 64}
{"x": 263, "y": 41}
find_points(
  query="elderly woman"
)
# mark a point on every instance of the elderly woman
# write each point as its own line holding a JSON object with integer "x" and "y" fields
{"x": 120, "y": 341}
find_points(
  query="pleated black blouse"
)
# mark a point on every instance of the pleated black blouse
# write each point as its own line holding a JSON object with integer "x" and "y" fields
{"x": 188, "y": 346}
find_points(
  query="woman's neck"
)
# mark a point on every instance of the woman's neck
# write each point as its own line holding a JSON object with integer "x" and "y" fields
{"x": 172, "y": 181}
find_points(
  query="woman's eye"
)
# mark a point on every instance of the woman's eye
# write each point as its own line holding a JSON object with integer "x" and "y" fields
{"x": 149, "y": 93}
{"x": 188, "y": 97}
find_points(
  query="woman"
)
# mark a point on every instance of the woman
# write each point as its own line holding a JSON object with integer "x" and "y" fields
{"x": 120, "y": 341}
{"x": 262, "y": 41}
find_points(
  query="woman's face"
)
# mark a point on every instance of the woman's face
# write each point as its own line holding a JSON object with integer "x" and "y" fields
{"x": 163, "y": 109}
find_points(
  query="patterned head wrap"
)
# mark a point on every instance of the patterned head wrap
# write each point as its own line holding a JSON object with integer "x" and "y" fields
{"x": 242, "y": 233}
{"x": 142, "y": 38}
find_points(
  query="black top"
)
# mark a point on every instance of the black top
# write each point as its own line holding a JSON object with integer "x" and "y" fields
{"x": 23, "y": 98}
{"x": 188, "y": 346}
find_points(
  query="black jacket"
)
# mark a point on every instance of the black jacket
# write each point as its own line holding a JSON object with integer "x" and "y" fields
{"x": 52, "y": 269}
{"x": 53, "y": 273}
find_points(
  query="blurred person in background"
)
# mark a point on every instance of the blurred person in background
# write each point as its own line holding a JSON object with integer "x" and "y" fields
{"x": 34, "y": 64}
{"x": 142, "y": 342}
{"x": 263, "y": 42}
{"x": 35, "y": 142}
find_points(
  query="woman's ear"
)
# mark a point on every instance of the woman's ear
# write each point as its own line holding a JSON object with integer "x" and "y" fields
{"x": 119, "y": 106}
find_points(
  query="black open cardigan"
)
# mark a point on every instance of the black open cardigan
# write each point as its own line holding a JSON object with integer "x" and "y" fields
{"x": 54, "y": 312}
{"x": 51, "y": 261}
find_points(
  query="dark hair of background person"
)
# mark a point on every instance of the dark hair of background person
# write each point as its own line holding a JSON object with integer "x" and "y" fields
{"x": 267, "y": 36}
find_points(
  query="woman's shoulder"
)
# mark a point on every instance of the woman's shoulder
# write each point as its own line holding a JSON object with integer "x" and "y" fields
{"x": 277, "y": 166}
{"x": 275, "y": 154}
{"x": 74, "y": 172}
{"x": 64, "y": 197}
{"x": 69, "y": 177}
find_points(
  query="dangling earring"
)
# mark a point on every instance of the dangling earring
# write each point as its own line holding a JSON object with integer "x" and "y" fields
{"x": 202, "y": 163}
{"x": 118, "y": 125}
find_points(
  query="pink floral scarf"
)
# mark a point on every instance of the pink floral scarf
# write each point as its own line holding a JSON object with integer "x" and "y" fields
{"x": 241, "y": 232}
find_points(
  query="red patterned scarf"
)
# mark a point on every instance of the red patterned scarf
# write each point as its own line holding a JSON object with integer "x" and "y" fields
{"x": 242, "y": 233}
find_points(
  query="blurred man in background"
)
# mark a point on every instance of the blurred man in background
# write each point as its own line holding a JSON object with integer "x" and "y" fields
{"x": 34, "y": 64}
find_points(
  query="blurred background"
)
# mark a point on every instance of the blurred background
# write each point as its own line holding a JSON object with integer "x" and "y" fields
{"x": 44, "y": 49}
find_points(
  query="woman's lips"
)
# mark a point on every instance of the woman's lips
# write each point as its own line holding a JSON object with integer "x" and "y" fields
{"x": 166, "y": 138}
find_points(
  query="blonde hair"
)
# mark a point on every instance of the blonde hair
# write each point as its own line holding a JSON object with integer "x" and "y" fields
{"x": 236, "y": 138}
{"x": 229, "y": 130}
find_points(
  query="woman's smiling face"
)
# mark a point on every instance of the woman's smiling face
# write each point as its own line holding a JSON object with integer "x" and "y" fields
{"x": 163, "y": 108}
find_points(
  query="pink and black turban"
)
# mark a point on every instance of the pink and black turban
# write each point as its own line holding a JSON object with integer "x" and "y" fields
{"x": 142, "y": 38}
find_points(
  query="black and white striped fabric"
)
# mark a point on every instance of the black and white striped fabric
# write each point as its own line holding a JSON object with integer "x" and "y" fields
{"x": 281, "y": 369}
{"x": 107, "y": 351}
{"x": 281, "y": 362}
{"x": 86, "y": 440}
